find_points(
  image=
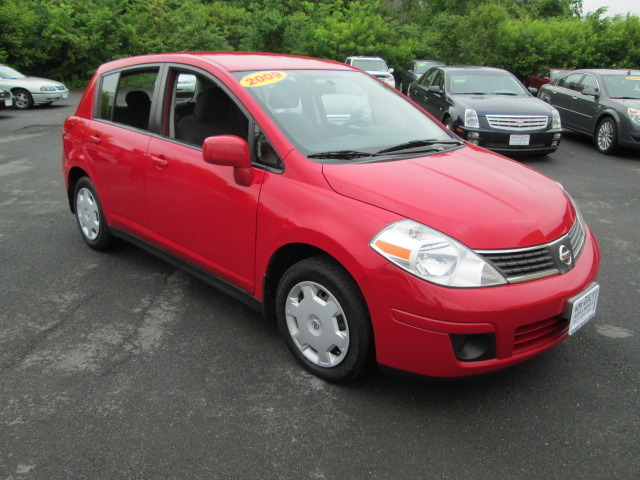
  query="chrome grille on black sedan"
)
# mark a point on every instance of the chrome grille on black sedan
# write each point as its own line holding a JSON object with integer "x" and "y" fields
{"x": 517, "y": 122}
{"x": 524, "y": 264}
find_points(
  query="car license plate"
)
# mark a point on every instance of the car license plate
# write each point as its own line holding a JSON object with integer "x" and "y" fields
{"x": 582, "y": 308}
{"x": 65, "y": 95}
{"x": 8, "y": 102}
{"x": 518, "y": 139}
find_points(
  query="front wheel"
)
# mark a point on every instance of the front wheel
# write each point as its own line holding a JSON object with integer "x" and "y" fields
{"x": 23, "y": 99}
{"x": 91, "y": 220}
{"x": 606, "y": 136}
{"x": 324, "y": 319}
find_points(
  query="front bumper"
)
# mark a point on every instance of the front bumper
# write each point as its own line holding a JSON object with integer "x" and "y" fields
{"x": 413, "y": 320}
{"x": 48, "y": 97}
{"x": 629, "y": 134}
{"x": 540, "y": 141}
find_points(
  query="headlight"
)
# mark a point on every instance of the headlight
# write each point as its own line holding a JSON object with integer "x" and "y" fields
{"x": 433, "y": 256}
{"x": 48, "y": 89}
{"x": 471, "y": 118}
{"x": 555, "y": 119}
{"x": 634, "y": 113}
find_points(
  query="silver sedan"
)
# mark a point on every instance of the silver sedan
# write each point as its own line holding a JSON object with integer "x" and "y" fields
{"x": 29, "y": 91}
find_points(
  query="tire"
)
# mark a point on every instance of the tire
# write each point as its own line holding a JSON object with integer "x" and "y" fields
{"x": 324, "y": 320}
{"x": 23, "y": 99}
{"x": 90, "y": 217}
{"x": 606, "y": 136}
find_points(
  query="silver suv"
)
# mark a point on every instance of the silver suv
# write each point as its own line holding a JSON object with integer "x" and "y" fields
{"x": 375, "y": 66}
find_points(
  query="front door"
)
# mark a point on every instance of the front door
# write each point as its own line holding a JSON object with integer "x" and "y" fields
{"x": 197, "y": 210}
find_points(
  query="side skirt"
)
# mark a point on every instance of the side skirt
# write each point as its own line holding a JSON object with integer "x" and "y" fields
{"x": 202, "y": 275}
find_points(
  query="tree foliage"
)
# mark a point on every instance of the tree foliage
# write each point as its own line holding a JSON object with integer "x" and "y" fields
{"x": 68, "y": 39}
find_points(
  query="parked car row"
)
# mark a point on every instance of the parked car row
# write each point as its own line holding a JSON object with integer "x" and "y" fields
{"x": 29, "y": 91}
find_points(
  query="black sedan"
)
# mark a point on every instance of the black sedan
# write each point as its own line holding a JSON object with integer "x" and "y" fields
{"x": 413, "y": 70}
{"x": 489, "y": 107}
{"x": 604, "y": 104}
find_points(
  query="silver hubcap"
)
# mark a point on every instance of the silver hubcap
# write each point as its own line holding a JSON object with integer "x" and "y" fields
{"x": 317, "y": 324}
{"x": 605, "y": 135}
{"x": 88, "y": 215}
{"x": 21, "y": 100}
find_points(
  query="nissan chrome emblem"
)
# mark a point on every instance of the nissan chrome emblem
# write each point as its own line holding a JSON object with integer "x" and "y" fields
{"x": 564, "y": 254}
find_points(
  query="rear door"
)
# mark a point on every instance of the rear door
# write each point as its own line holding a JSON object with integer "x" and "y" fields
{"x": 562, "y": 95}
{"x": 117, "y": 141}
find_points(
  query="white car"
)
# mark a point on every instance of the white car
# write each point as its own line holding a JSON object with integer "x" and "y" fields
{"x": 375, "y": 66}
{"x": 29, "y": 91}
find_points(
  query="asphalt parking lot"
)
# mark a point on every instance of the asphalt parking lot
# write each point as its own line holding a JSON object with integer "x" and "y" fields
{"x": 117, "y": 365}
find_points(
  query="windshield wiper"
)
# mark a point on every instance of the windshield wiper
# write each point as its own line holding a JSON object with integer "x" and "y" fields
{"x": 342, "y": 154}
{"x": 625, "y": 98}
{"x": 420, "y": 143}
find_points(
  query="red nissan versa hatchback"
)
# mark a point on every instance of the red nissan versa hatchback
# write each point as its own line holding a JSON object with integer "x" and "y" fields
{"x": 322, "y": 197}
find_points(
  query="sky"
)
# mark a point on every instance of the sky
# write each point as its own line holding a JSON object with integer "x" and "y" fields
{"x": 615, "y": 6}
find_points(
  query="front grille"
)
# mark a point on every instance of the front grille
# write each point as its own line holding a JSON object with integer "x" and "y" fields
{"x": 576, "y": 238}
{"x": 517, "y": 122}
{"x": 537, "y": 334}
{"x": 524, "y": 264}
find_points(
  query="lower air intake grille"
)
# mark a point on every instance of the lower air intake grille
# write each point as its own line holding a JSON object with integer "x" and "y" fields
{"x": 538, "y": 334}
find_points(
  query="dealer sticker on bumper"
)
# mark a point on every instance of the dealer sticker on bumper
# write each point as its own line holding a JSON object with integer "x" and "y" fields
{"x": 518, "y": 139}
{"x": 582, "y": 308}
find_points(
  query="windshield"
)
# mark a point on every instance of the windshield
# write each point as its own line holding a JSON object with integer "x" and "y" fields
{"x": 9, "y": 73}
{"x": 622, "y": 86}
{"x": 370, "y": 64}
{"x": 342, "y": 114}
{"x": 484, "y": 83}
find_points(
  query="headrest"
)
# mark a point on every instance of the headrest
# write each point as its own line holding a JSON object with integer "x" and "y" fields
{"x": 138, "y": 100}
{"x": 212, "y": 104}
{"x": 278, "y": 100}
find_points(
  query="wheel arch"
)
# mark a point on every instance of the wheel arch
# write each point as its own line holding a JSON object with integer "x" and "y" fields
{"x": 283, "y": 258}
{"x": 604, "y": 114}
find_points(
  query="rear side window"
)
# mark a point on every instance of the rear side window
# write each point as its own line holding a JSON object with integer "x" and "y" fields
{"x": 571, "y": 81}
{"x": 125, "y": 97}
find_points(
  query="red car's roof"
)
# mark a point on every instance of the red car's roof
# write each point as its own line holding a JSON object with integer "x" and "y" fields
{"x": 239, "y": 61}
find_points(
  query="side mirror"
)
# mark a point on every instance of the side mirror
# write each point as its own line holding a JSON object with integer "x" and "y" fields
{"x": 592, "y": 92}
{"x": 533, "y": 91}
{"x": 391, "y": 70}
{"x": 230, "y": 151}
{"x": 435, "y": 89}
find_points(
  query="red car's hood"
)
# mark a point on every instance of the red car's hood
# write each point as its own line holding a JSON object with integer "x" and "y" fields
{"x": 476, "y": 197}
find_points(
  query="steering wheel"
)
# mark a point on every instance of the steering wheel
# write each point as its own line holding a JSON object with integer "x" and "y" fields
{"x": 354, "y": 122}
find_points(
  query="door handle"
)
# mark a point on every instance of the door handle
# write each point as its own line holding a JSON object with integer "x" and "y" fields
{"x": 95, "y": 139}
{"x": 159, "y": 161}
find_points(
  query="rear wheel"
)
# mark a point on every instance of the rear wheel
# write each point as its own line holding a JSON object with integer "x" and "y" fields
{"x": 606, "y": 136}
{"x": 24, "y": 100}
{"x": 324, "y": 319}
{"x": 91, "y": 221}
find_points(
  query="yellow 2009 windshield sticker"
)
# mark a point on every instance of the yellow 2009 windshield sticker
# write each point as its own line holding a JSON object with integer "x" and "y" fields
{"x": 260, "y": 79}
{"x": 633, "y": 78}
